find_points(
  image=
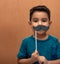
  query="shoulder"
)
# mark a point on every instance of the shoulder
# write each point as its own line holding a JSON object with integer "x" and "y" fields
{"x": 27, "y": 39}
{"x": 54, "y": 38}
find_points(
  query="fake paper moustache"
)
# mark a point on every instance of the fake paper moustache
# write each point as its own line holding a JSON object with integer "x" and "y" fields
{"x": 41, "y": 27}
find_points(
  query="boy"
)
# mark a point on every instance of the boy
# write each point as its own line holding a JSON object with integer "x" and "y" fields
{"x": 46, "y": 50}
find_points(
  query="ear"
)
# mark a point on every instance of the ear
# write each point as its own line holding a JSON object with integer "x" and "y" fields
{"x": 29, "y": 22}
{"x": 50, "y": 22}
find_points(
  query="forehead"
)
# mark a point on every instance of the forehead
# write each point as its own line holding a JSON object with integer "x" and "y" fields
{"x": 39, "y": 14}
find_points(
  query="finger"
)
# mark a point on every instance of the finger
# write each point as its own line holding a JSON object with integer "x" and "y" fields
{"x": 42, "y": 62}
{"x": 36, "y": 52}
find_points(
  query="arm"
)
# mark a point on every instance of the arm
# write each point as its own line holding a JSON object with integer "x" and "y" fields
{"x": 43, "y": 59}
{"x": 33, "y": 59}
{"x": 54, "y": 62}
{"x": 25, "y": 61}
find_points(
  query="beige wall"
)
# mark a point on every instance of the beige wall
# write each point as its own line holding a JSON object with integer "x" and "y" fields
{"x": 14, "y": 17}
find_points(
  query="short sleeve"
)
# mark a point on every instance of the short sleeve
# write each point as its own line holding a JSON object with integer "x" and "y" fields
{"x": 22, "y": 51}
{"x": 58, "y": 51}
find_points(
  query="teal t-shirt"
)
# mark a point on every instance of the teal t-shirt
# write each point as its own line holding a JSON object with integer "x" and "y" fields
{"x": 49, "y": 48}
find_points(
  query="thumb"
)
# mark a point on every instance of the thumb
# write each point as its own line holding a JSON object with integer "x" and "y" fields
{"x": 36, "y": 52}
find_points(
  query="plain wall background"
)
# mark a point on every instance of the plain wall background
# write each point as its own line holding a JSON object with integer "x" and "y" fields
{"x": 14, "y": 17}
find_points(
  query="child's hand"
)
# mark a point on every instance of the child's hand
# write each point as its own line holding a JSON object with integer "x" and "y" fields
{"x": 35, "y": 56}
{"x": 42, "y": 60}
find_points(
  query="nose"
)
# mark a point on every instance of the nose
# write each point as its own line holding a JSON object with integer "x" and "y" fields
{"x": 40, "y": 23}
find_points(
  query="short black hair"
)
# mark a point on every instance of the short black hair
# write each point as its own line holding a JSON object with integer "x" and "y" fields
{"x": 40, "y": 8}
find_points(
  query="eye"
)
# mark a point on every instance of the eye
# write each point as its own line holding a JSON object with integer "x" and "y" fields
{"x": 35, "y": 20}
{"x": 44, "y": 19}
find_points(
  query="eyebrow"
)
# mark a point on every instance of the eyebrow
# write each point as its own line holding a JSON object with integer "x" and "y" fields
{"x": 44, "y": 18}
{"x": 41, "y": 18}
{"x": 35, "y": 18}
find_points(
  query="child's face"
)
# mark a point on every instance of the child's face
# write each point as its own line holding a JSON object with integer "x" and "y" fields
{"x": 40, "y": 18}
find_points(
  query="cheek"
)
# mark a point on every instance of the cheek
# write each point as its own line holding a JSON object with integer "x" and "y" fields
{"x": 46, "y": 24}
{"x": 34, "y": 24}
